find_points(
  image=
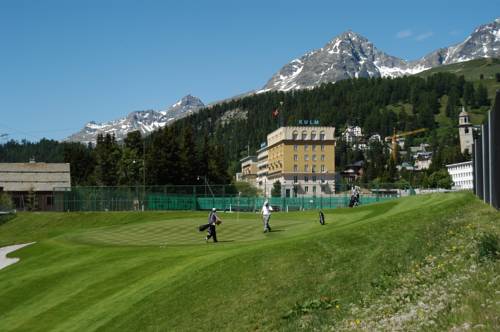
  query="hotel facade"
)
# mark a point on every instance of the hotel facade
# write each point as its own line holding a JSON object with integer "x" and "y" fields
{"x": 301, "y": 158}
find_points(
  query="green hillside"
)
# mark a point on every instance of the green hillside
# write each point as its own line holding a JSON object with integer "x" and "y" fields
{"x": 409, "y": 264}
{"x": 472, "y": 71}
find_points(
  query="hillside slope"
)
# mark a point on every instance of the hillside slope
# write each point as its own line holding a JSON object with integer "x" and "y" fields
{"x": 478, "y": 71}
{"x": 410, "y": 264}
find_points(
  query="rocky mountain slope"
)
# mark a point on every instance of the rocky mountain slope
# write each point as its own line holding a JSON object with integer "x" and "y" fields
{"x": 351, "y": 55}
{"x": 143, "y": 121}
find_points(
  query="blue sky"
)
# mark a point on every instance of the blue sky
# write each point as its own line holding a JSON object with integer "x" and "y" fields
{"x": 64, "y": 63}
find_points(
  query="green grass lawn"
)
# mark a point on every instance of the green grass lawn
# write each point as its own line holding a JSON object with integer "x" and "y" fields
{"x": 408, "y": 264}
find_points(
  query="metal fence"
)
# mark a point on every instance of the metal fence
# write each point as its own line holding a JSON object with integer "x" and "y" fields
{"x": 487, "y": 157}
{"x": 153, "y": 198}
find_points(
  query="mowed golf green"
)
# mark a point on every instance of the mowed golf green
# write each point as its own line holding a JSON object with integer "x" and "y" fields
{"x": 153, "y": 271}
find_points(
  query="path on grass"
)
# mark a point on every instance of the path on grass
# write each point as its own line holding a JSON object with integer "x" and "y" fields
{"x": 4, "y": 261}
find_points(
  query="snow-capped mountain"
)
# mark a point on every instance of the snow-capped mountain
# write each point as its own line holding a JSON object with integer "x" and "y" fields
{"x": 143, "y": 121}
{"x": 351, "y": 55}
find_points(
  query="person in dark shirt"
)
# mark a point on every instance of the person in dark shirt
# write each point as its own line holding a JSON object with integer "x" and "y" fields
{"x": 213, "y": 220}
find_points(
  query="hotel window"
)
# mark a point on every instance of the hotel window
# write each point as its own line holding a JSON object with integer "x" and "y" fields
{"x": 295, "y": 168}
{"x": 322, "y": 135}
{"x": 313, "y": 135}
{"x": 306, "y": 168}
{"x": 314, "y": 190}
{"x": 314, "y": 168}
{"x": 322, "y": 157}
{"x": 306, "y": 157}
{"x": 306, "y": 189}
{"x": 306, "y": 147}
{"x": 313, "y": 147}
{"x": 314, "y": 178}
{"x": 322, "y": 168}
{"x": 306, "y": 178}
{"x": 314, "y": 157}
{"x": 304, "y": 134}
{"x": 295, "y": 157}
{"x": 322, "y": 147}
{"x": 295, "y": 147}
{"x": 295, "y": 179}
{"x": 295, "y": 135}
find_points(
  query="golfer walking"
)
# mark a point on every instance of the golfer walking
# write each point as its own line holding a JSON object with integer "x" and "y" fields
{"x": 266, "y": 215}
{"x": 213, "y": 219}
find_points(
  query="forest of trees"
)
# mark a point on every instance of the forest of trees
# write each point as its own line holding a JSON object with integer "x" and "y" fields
{"x": 205, "y": 145}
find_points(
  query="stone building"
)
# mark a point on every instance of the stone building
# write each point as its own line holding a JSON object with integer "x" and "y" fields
{"x": 32, "y": 185}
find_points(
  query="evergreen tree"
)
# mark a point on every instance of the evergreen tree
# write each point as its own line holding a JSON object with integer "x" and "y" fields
{"x": 82, "y": 163}
{"x": 469, "y": 99}
{"x": 107, "y": 155}
{"x": 276, "y": 190}
{"x": 188, "y": 159}
{"x": 482, "y": 95}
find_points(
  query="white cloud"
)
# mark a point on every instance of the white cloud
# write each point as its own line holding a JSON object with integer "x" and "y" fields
{"x": 404, "y": 33}
{"x": 424, "y": 36}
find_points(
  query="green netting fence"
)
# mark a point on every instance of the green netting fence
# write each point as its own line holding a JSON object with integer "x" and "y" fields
{"x": 154, "y": 198}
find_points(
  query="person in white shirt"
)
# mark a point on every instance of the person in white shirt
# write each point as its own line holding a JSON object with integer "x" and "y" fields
{"x": 266, "y": 215}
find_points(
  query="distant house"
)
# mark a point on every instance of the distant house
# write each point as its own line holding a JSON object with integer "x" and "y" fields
{"x": 421, "y": 148}
{"x": 375, "y": 138}
{"x": 352, "y": 134}
{"x": 353, "y": 172}
{"x": 32, "y": 185}
{"x": 423, "y": 160}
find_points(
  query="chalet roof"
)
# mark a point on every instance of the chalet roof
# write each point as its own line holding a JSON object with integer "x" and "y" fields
{"x": 34, "y": 176}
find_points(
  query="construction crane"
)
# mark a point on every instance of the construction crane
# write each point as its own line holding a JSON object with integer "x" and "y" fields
{"x": 394, "y": 139}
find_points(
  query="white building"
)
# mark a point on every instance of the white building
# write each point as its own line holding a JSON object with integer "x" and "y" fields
{"x": 352, "y": 134}
{"x": 462, "y": 175}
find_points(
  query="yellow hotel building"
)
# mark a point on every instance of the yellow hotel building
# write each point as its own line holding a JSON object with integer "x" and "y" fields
{"x": 302, "y": 158}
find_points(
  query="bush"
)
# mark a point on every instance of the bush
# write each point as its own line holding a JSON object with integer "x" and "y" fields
{"x": 489, "y": 247}
{"x": 6, "y": 202}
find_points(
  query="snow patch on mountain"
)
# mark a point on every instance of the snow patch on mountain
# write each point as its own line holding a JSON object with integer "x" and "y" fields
{"x": 350, "y": 55}
{"x": 143, "y": 121}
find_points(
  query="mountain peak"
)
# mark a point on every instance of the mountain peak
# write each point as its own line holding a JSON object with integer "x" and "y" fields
{"x": 350, "y": 35}
{"x": 144, "y": 121}
{"x": 351, "y": 55}
{"x": 188, "y": 100}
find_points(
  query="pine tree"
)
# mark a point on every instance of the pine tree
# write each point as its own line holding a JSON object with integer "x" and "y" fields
{"x": 107, "y": 155}
{"x": 482, "y": 95}
{"x": 276, "y": 190}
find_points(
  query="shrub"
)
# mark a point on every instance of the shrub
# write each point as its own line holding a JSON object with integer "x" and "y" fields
{"x": 489, "y": 246}
{"x": 6, "y": 202}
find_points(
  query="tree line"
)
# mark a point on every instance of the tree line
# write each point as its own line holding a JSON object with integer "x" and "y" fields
{"x": 207, "y": 145}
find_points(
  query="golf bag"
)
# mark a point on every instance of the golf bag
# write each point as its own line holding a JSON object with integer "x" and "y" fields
{"x": 203, "y": 227}
{"x": 354, "y": 201}
{"x": 321, "y": 218}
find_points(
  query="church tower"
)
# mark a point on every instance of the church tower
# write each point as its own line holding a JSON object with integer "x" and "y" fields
{"x": 465, "y": 132}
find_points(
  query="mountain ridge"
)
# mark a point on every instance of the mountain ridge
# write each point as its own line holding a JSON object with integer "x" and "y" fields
{"x": 144, "y": 121}
{"x": 348, "y": 55}
{"x": 351, "y": 55}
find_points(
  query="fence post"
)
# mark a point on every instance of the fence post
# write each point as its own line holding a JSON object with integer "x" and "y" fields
{"x": 486, "y": 164}
{"x": 495, "y": 151}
